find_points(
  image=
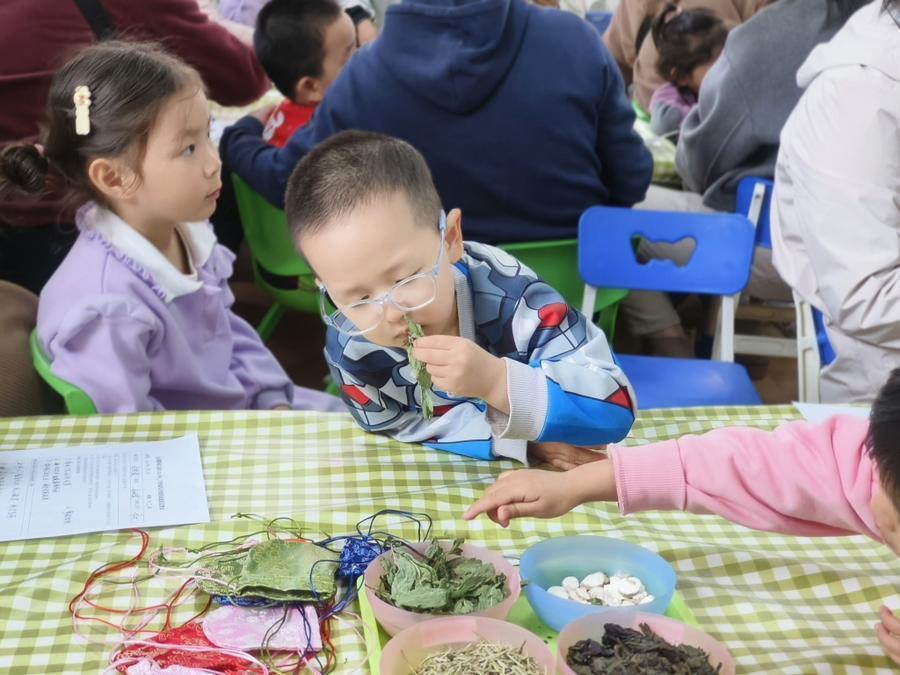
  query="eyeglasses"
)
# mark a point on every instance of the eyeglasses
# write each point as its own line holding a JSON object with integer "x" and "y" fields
{"x": 407, "y": 295}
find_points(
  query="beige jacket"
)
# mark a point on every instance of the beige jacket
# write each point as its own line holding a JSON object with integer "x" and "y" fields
{"x": 640, "y": 68}
{"x": 836, "y": 208}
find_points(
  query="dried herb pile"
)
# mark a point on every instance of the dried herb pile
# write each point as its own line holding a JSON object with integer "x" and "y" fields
{"x": 481, "y": 658}
{"x": 418, "y": 368}
{"x": 439, "y": 584}
{"x": 625, "y": 651}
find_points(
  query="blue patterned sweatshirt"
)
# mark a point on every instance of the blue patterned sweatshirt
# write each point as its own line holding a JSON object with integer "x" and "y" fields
{"x": 562, "y": 379}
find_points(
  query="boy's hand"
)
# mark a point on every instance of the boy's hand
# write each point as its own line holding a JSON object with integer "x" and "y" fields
{"x": 461, "y": 368}
{"x": 888, "y": 631}
{"x": 564, "y": 455}
{"x": 263, "y": 114}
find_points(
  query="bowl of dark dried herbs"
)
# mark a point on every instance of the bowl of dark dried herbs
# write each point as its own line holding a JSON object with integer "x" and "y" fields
{"x": 555, "y": 563}
{"x": 409, "y": 584}
{"x": 465, "y": 645}
{"x": 622, "y": 642}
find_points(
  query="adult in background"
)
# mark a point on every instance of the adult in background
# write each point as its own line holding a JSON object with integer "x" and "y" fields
{"x": 34, "y": 237}
{"x": 519, "y": 111}
{"x": 629, "y": 38}
{"x": 748, "y": 94}
{"x": 836, "y": 209}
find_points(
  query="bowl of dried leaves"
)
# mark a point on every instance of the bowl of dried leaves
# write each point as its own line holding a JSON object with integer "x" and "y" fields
{"x": 622, "y": 641}
{"x": 409, "y": 584}
{"x": 465, "y": 644}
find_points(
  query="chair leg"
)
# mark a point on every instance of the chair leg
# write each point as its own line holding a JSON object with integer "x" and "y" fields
{"x": 270, "y": 321}
{"x": 607, "y": 322}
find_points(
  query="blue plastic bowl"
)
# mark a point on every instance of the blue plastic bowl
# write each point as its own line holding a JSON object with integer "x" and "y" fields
{"x": 548, "y": 563}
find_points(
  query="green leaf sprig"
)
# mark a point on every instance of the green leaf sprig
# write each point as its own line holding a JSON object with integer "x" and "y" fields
{"x": 418, "y": 368}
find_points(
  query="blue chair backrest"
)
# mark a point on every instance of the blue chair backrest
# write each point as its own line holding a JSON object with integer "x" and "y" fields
{"x": 720, "y": 264}
{"x": 826, "y": 351}
{"x": 599, "y": 20}
{"x": 742, "y": 206}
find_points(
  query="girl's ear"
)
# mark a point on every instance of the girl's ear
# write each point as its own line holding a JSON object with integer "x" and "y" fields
{"x": 453, "y": 238}
{"x": 112, "y": 179}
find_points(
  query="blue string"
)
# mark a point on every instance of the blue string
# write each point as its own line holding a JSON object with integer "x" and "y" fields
{"x": 238, "y": 601}
{"x": 354, "y": 556}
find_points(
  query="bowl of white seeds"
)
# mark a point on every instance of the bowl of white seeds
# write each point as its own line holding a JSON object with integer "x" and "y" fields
{"x": 570, "y": 577}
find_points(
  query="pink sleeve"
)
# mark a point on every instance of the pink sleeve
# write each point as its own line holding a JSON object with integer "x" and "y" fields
{"x": 804, "y": 479}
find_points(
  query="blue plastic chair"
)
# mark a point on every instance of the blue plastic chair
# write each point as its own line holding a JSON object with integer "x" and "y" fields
{"x": 754, "y": 199}
{"x": 599, "y": 20}
{"x": 720, "y": 265}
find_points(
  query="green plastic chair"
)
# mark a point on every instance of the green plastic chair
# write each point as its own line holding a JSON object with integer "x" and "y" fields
{"x": 556, "y": 262}
{"x": 76, "y": 401}
{"x": 277, "y": 267}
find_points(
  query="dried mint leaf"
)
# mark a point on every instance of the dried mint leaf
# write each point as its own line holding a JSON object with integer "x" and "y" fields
{"x": 418, "y": 368}
{"x": 439, "y": 584}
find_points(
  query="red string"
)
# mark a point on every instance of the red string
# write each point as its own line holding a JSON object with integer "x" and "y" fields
{"x": 110, "y": 568}
{"x": 113, "y": 567}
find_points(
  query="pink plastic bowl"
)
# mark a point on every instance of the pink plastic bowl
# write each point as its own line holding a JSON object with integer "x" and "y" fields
{"x": 591, "y": 627}
{"x": 393, "y": 619}
{"x": 408, "y": 649}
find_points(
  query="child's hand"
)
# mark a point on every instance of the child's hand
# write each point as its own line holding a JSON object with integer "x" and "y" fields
{"x": 282, "y": 406}
{"x": 263, "y": 114}
{"x": 888, "y": 631}
{"x": 563, "y": 455}
{"x": 461, "y": 368}
{"x": 366, "y": 32}
{"x": 525, "y": 493}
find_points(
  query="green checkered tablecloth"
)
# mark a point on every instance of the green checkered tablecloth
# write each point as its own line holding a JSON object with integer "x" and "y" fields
{"x": 782, "y": 605}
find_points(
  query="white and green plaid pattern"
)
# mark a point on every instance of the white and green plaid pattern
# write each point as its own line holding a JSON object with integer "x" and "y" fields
{"x": 781, "y": 604}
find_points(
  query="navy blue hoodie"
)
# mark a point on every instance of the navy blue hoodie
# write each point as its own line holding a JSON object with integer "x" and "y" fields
{"x": 519, "y": 111}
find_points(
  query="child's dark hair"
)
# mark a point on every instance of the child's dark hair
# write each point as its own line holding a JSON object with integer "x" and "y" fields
{"x": 351, "y": 169}
{"x": 129, "y": 83}
{"x": 686, "y": 39}
{"x": 884, "y": 435}
{"x": 289, "y": 40}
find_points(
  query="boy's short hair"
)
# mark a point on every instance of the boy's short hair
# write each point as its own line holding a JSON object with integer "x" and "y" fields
{"x": 884, "y": 435}
{"x": 352, "y": 169}
{"x": 289, "y": 39}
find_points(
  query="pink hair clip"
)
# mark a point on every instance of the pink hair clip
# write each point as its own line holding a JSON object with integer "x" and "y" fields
{"x": 82, "y": 100}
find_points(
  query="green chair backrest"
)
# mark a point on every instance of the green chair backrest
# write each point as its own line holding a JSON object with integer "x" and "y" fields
{"x": 268, "y": 236}
{"x": 76, "y": 401}
{"x": 556, "y": 262}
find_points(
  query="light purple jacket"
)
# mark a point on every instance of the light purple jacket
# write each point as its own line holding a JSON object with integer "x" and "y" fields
{"x": 123, "y": 324}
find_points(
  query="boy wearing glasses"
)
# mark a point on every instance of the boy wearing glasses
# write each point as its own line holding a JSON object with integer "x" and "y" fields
{"x": 510, "y": 361}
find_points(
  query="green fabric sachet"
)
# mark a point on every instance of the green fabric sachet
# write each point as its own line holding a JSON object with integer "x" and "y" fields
{"x": 276, "y": 570}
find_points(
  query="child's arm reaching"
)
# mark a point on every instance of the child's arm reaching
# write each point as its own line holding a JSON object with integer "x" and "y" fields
{"x": 801, "y": 479}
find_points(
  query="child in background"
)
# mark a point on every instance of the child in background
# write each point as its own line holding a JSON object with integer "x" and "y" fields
{"x": 361, "y": 12}
{"x": 138, "y": 314}
{"x": 688, "y": 42}
{"x": 510, "y": 362}
{"x": 839, "y": 477}
{"x": 302, "y": 45}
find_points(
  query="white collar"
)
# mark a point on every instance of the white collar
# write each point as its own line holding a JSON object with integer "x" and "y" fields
{"x": 198, "y": 238}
